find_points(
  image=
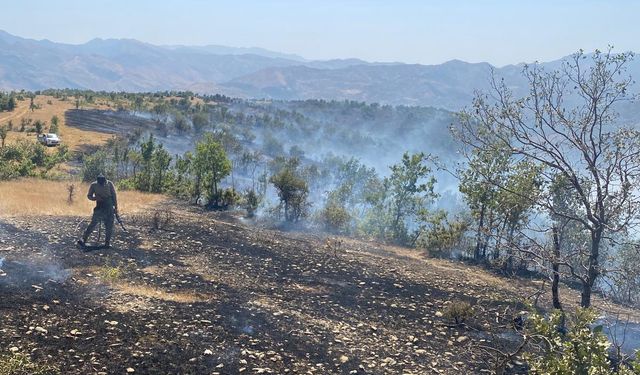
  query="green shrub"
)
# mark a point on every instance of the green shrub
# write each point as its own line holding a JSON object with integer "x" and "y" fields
{"x": 24, "y": 158}
{"x": 93, "y": 165}
{"x": 335, "y": 218}
{"x": 458, "y": 312}
{"x": 251, "y": 202}
{"x": 582, "y": 350}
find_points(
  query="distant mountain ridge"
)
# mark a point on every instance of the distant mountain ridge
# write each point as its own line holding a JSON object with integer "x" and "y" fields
{"x": 131, "y": 65}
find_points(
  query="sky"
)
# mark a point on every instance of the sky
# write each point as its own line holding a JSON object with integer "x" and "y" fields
{"x": 500, "y": 32}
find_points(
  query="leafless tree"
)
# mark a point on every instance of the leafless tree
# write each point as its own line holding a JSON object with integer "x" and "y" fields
{"x": 568, "y": 125}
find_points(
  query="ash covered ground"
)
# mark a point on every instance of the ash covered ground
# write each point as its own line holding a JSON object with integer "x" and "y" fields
{"x": 206, "y": 294}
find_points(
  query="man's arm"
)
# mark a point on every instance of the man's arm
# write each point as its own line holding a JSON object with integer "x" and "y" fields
{"x": 91, "y": 195}
{"x": 113, "y": 195}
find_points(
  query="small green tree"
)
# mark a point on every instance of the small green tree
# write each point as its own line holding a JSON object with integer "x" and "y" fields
{"x": 160, "y": 163}
{"x": 335, "y": 218}
{"x": 292, "y": 190}
{"x": 96, "y": 163}
{"x": 54, "y": 124}
{"x": 181, "y": 124}
{"x": 200, "y": 121}
{"x": 403, "y": 196}
{"x": 251, "y": 202}
{"x": 39, "y": 125}
{"x": 211, "y": 165}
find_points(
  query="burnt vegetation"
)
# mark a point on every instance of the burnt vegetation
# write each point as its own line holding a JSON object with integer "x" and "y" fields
{"x": 540, "y": 191}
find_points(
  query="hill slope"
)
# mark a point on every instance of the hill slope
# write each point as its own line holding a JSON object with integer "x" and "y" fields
{"x": 205, "y": 294}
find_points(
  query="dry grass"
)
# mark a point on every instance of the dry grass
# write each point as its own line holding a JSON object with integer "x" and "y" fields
{"x": 76, "y": 139}
{"x": 151, "y": 292}
{"x": 33, "y": 197}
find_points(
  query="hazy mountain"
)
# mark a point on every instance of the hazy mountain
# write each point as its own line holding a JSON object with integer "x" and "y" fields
{"x": 449, "y": 85}
{"x": 131, "y": 65}
{"x": 224, "y": 50}
{"x": 118, "y": 64}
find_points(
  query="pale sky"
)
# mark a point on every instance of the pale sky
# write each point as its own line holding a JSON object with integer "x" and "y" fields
{"x": 412, "y": 31}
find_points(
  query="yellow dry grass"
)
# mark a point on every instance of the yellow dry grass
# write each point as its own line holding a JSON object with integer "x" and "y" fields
{"x": 151, "y": 292}
{"x": 34, "y": 197}
{"x": 75, "y": 138}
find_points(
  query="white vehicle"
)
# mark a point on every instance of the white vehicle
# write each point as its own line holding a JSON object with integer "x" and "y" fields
{"x": 50, "y": 139}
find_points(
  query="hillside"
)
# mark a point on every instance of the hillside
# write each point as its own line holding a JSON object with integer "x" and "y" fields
{"x": 205, "y": 293}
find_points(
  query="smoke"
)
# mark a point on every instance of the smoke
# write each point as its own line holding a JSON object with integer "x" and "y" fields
{"x": 314, "y": 131}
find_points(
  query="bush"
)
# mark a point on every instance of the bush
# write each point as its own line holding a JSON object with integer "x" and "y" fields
{"x": 458, "y": 312}
{"x": 126, "y": 184}
{"x": 227, "y": 198}
{"x": 251, "y": 202}
{"x": 442, "y": 237}
{"x": 25, "y": 158}
{"x": 580, "y": 348}
{"x": 93, "y": 165}
{"x": 335, "y": 218}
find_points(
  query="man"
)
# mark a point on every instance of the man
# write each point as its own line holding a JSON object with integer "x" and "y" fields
{"x": 103, "y": 193}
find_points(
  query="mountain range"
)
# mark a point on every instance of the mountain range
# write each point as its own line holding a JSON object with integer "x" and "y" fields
{"x": 131, "y": 65}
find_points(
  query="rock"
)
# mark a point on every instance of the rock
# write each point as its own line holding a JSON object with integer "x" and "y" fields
{"x": 344, "y": 359}
{"x": 41, "y": 330}
{"x": 439, "y": 314}
{"x": 208, "y": 352}
{"x": 130, "y": 370}
{"x": 462, "y": 339}
{"x": 13, "y": 349}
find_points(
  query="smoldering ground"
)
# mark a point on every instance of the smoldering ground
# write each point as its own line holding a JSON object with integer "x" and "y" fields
{"x": 208, "y": 294}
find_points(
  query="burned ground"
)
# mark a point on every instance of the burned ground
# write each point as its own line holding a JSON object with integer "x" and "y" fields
{"x": 207, "y": 294}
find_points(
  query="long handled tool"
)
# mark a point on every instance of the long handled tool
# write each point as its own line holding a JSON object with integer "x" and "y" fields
{"x": 121, "y": 223}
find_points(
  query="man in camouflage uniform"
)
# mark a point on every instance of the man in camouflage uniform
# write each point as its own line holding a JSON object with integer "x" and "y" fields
{"x": 103, "y": 193}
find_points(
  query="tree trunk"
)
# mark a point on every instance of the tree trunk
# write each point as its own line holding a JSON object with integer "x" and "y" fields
{"x": 555, "y": 292}
{"x": 214, "y": 192}
{"x": 286, "y": 211}
{"x": 593, "y": 272}
{"x": 196, "y": 187}
{"x": 476, "y": 254}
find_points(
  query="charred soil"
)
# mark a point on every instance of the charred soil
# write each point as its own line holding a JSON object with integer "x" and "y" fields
{"x": 207, "y": 294}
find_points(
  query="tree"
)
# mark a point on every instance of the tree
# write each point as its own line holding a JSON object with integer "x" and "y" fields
{"x": 160, "y": 162}
{"x": 11, "y": 103}
{"x": 54, "y": 124}
{"x": 479, "y": 184}
{"x": 200, "y": 121}
{"x": 183, "y": 167}
{"x": 181, "y": 124}
{"x": 147, "y": 150}
{"x": 404, "y": 195}
{"x": 211, "y": 165}
{"x": 39, "y": 125}
{"x": 292, "y": 190}
{"x": 567, "y": 125}
{"x": 96, "y": 163}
